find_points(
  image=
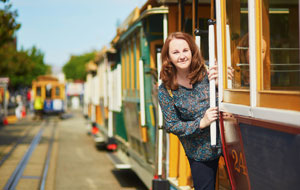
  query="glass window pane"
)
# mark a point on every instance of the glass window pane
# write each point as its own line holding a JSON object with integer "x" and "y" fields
{"x": 57, "y": 91}
{"x": 48, "y": 90}
{"x": 38, "y": 91}
{"x": 280, "y": 45}
{"x": 237, "y": 20}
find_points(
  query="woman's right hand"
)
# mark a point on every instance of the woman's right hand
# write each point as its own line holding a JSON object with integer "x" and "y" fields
{"x": 210, "y": 115}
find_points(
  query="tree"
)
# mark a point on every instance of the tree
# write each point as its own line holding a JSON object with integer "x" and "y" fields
{"x": 75, "y": 67}
{"x": 20, "y": 66}
{"x": 8, "y": 24}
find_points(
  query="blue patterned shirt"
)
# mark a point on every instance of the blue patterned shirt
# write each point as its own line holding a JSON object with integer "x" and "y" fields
{"x": 182, "y": 114}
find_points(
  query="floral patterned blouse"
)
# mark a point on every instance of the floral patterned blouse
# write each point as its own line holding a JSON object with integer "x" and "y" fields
{"x": 182, "y": 114}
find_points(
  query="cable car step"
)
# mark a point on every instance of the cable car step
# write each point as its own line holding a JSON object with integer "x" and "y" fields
{"x": 119, "y": 164}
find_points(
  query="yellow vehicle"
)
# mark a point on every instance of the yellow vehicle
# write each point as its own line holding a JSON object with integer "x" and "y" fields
{"x": 48, "y": 95}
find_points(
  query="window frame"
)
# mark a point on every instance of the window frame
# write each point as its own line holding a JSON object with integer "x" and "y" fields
{"x": 254, "y": 109}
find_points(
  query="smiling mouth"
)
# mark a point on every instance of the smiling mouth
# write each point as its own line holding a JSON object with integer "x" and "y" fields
{"x": 182, "y": 62}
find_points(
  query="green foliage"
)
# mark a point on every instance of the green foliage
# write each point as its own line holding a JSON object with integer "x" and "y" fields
{"x": 8, "y": 25}
{"x": 20, "y": 66}
{"x": 75, "y": 67}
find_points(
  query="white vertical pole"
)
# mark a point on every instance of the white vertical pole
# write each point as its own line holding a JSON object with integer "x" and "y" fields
{"x": 119, "y": 86}
{"x": 160, "y": 116}
{"x": 105, "y": 81}
{"x": 212, "y": 83}
{"x": 160, "y": 122}
{"x": 198, "y": 41}
{"x": 165, "y": 27}
{"x": 219, "y": 50}
{"x": 93, "y": 116}
{"x": 228, "y": 51}
{"x": 252, "y": 53}
{"x": 110, "y": 103}
{"x": 92, "y": 94}
{"x": 110, "y": 124}
{"x": 142, "y": 93}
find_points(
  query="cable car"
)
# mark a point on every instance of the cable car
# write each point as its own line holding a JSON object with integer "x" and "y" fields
{"x": 51, "y": 92}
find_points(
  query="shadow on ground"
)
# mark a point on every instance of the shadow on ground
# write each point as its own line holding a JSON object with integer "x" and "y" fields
{"x": 128, "y": 179}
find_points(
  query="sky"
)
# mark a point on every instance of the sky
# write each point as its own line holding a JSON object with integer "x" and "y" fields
{"x": 61, "y": 28}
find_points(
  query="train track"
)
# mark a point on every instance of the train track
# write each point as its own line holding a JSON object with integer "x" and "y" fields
{"x": 27, "y": 163}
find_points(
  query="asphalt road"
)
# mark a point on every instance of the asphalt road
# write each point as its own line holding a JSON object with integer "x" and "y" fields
{"x": 80, "y": 165}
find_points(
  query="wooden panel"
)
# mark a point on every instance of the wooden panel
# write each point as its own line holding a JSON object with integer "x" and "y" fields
{"x": 184, "y": 173}
{"x": 280, "y": 100}
{"x": 237, "y": 97}
{"x": 138, "y": 54}
{"x": 127, "y": 67}
{"x": 132, "y": 66}
{"x": 99, "y": 118}
{"x": 174, "y": 156}
{"x": 106, "y": 112}
{"x": 34, "y": 91}
{"x": 204, "y": 11}
{"x": 193, "y": 16}
{"x": 43, "y": 90}
{"x": 62, "y": 91}
{"x": 89, "y": 110}
{"x": 172, "y": 18}
{"x": 222, "y": 176}
{"x": 123, "y": 69}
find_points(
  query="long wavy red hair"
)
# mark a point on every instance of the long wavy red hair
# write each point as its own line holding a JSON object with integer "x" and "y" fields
{"x": 168, "y": 70}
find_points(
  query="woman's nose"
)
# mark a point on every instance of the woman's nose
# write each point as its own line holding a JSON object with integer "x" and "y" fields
{"x": 181, "y": 56}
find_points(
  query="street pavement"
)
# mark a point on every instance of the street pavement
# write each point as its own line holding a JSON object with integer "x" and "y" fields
{"x": 79, "y": 165}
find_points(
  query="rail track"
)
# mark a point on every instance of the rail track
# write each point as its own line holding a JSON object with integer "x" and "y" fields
{"x": 27, "y": 161}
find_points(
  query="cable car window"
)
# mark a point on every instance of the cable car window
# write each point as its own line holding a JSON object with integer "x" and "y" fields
{"x": 48, "y": 91}
{"x": 237, "y": 19}
{"x": 237, "y": 52}
{"x": 280, "y": 45}
{"x": 38, "y": 91}
{"x": 57, "y": 91}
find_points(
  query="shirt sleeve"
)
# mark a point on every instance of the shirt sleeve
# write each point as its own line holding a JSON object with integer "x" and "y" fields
{"x": 173, "y": 124}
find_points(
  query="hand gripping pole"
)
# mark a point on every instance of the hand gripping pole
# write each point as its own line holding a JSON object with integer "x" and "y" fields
{"x": 212, "y": 83}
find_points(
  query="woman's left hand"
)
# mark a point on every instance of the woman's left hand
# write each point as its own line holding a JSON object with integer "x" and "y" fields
{"x": 213, "y": 73}
{"x": 230, "y": 72}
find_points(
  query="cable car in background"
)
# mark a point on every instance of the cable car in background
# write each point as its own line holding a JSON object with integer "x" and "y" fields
{"x": 51, "y": 93}
{"x": 4, "y": 99}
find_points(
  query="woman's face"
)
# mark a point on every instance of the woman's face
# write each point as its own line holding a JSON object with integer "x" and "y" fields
{"x": 180, "y": 54}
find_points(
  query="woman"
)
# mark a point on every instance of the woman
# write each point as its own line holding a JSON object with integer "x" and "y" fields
{"x": 184, "y": 99}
